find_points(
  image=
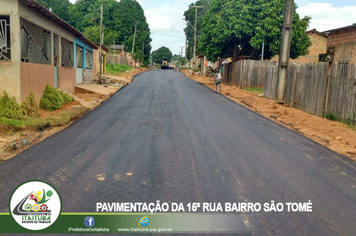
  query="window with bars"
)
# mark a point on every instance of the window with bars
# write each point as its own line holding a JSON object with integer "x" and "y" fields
{"x": 79, "y": 54}
{"x": 35, "y": 43}
{"x": 89, "y": 59}
{"x": 344, "y": 68}
{"x": 5, "y": 49}
{"x": 67, "y": 53}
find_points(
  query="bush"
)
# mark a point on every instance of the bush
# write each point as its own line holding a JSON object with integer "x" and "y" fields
{"x": 9, "y": 108}
{"x": 54, "y": 99}
{"x": 30, "y": 107}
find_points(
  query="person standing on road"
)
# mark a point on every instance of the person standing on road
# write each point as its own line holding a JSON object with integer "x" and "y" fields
{"x": 218, "y": 80}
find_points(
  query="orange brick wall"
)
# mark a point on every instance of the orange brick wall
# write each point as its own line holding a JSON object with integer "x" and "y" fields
{"x": 319, "y": 44}
{"x": 66, "y": 79}
{"x": 35, "y": 77}
{"x": 318, "y": 47}
{"x": 342, "y": 37}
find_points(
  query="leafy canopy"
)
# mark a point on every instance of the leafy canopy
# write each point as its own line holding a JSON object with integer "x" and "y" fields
{"x": 160, "y": 54}
{"x": 237, "y": 28}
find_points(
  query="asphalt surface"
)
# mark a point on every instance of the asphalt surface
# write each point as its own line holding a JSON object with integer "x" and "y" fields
{"x": 165, "y": 137}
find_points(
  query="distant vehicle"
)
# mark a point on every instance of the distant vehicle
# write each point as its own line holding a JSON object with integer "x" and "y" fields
{"x": 165, "y": 64}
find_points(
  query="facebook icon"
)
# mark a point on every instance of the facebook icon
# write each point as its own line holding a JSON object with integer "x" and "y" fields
{"x": 89, "y": 221}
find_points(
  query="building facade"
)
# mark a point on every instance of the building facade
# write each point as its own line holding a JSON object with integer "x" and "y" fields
{"x": 36, "y": 48}
{"x": 341, "y": 46}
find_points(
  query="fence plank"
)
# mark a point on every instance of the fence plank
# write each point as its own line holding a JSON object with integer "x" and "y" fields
{"x": 342, "y": 95}
{"x": 270, "y": 85}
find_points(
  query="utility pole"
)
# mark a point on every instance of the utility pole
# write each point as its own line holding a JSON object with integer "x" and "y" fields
{"x": 133, "y": 42}
{"x": 101, "y": 44}
{"x": 263, "y": 50}
{"x": 195, "y": 33}
{"x": 181, "y": 56}
{"x": 284, "y": 52}
{"x": 114, "y": 48}
{"x": 186, "y": 40}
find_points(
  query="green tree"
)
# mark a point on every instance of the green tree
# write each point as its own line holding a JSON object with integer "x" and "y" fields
{"x": 58, "y": 7}
{"x": 160, "y": 54}
{"x": 237, "y": 28}
{"x": 93, "y": 13}
{"x": 175, "y": 57}
{"x": 189, "y": 17}
{"x": 127, "y": 15}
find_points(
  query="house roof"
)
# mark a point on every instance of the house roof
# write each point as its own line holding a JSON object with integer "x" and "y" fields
{"x": 104, "y": 47}
{"x": 117, "y": 47}
{"x": 340, "y": 29}
{"x": 36, "y": 6}
{"x": 314, "y": 31}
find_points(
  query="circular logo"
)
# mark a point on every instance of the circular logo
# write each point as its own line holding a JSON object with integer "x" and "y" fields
{"x": 35, "y": 205}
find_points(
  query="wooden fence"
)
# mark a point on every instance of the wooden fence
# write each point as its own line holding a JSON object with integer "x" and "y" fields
{"x": 341, "y": 96}
{"x": 317, "y": 88}
{"x": 306, "y": 87}
{"x": 246, "y": 74}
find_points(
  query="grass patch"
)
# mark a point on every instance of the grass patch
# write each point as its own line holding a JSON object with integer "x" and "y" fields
{"x": 254, "y": 90}
{"x": 352, "y": 127}
{"x": 348, "y": 124}
{"x": 114, "y": 69}
{"x": 13, "y": 123}
{"x": 61, "y": 119}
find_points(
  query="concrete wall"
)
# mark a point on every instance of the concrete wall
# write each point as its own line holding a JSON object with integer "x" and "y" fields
{"x": 345, "y": 52}
{"x": 10, "y": 71}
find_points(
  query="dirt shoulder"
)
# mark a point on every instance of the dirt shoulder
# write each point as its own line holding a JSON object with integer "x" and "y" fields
{"x": 336, "y": 136}
{"x": 14, "y": 140}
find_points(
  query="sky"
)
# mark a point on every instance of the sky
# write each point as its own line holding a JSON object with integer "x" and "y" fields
{"x": 165, "y": 18}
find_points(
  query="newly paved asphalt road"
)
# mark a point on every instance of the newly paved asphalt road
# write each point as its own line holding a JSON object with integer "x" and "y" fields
{"x": 166, "y": 137}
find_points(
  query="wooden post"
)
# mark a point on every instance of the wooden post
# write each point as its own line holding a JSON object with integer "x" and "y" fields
{"x": 327, "y": 88}
{"x": 133, "y": 44}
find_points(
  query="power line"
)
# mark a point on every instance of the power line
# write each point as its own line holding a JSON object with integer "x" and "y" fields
{"x": 168, "y": 35}
{"x": 170, "y": 28}
{"x": 325, "y": 24}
